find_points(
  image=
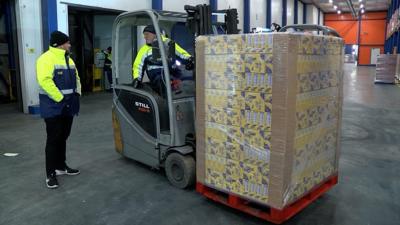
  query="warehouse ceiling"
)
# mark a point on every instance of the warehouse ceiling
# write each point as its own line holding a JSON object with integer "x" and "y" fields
{"x": 345, "y": 5}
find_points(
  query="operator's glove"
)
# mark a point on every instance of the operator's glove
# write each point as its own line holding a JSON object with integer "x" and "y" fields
{"x": 190, "y": 64}
{"x": 175, "y": 84}
{"x": 136, "y": 83}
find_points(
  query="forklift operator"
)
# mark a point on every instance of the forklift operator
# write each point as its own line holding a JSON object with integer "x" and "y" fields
{"x": 143, "y": 62}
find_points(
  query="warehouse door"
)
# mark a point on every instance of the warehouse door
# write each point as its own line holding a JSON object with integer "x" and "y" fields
{"x": 375, "y": 52}
{"x": 10, "y": 88}
{"x": 90, "y": 31}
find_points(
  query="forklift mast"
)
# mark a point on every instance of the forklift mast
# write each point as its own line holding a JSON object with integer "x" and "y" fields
{"x": 199, "y": 20}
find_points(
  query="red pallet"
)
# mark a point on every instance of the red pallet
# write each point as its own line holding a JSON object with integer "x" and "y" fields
{"x": 270, "y": 214}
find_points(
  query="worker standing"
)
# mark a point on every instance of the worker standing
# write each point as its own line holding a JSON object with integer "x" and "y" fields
{"x": 107, "y": 65}
{"x": 143, "y": 62}
{"x": 60, "y": 89}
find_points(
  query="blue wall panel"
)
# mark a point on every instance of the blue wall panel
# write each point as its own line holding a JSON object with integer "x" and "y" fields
{"x": 157, "y": 4}
{"x": 269, "y": 12}
{"x": 214, "y": 7}
{"x": 49, "y": 20}
{"x": 246, "y": 20}
{"x": 284, "y": 13}
{"x": 296, "y": 12}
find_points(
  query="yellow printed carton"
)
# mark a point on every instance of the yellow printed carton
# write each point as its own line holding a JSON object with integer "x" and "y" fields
{"x": 235, "y": 63}
{"x": 216, "y": 46}
{"x": 257, "y": 63}
{"x": 225, "y": 81}
{"x": 257, "y": 101}
{"x": 257, "y": 43}
{"x": 233, "y": 150}
{"x": 231, "y": 174}
{"x": 216, "y": 115}
{"x": 256, "y": 120}
{"x": 217, "y": 63}
{"x": 258, "y": 139}
{"x": 258, "y": 82}
{"x": 235, "y": 44}
{"x": 224, "y": 98}
{"x": 233, "y": 116}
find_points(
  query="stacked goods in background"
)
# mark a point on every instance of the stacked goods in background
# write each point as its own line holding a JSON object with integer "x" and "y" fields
{"x": 386, "y": 68}
{"x": 268, "y": 114}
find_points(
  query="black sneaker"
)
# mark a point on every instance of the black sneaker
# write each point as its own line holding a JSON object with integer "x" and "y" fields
{"x": 67, "y": 171}
{"x": 51, "y": 181}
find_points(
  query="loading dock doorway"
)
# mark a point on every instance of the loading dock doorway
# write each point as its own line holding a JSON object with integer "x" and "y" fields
{"x": 375, "y": 52}
{"x": 10, "y": 82}
{"x": 90, "y": 31}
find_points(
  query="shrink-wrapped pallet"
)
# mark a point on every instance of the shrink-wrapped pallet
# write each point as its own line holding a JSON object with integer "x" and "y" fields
{"x": 386, "y": 68}
{"x": 268, "y": 114}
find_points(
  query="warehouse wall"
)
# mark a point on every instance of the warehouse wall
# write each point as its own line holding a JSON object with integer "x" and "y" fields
{"x": 290, "y": 12}
{"x": 300, "y": 11}
{"x": 372, "y": 33}
{"x": 124, "y": 5}
{"x": 30, "y": 47}
{"x": 103, "y": 30}
{"x": 238, "y": 4}
{"x": 276, "y": 11}
{"x": 312, "y": 14}
{"x": 258, "y": 10}
{"x": 322, "y": 16}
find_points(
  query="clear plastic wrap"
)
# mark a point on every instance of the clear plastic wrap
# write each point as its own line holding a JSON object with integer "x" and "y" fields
{"x": 386, "y": 68}
{"x": 268, "y": 109}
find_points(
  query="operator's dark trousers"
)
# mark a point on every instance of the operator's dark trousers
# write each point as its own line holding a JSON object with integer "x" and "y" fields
{"x": 58, "y": 129}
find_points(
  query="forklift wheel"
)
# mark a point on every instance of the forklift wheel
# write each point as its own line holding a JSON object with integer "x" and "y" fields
{"x": 180, "y": 170}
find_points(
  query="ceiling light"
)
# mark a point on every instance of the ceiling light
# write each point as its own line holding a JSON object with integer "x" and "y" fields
{"x": 330, "y": 1}
{"x": 338, "y": 12}
{"x": 335, "y": 7}
{"x": 361, "y": 6}
{"x": 359, "y": 0}
{"x": 362, "y": 11}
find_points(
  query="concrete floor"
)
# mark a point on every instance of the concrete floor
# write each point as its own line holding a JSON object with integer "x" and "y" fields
{"x": 114, "y": 190}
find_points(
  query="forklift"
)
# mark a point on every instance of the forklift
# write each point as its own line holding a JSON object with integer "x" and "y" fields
{"x": 156, "y": 129}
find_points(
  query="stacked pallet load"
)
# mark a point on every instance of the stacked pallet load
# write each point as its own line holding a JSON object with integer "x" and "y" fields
{"x": 386, "y": 68}
{"x": 268, "y": 115}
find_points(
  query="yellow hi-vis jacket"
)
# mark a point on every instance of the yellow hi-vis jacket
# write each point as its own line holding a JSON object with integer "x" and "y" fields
{"x": 143, "y": 63}
{"x": 58, "y": 83}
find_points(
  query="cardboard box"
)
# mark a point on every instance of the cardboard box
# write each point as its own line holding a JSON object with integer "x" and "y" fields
{"x": 268, "y": 114}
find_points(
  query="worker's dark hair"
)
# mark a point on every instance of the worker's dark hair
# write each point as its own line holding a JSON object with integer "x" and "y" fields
{"x": 150, "y": 29}
{"x": 109, "y": 49}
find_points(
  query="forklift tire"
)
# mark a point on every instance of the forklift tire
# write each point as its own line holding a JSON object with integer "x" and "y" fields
{"x": 180, "y": 170}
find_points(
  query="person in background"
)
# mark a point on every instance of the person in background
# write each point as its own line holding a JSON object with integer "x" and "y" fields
{"x": 59, "y": 93}
{"x": 107, "y": 65}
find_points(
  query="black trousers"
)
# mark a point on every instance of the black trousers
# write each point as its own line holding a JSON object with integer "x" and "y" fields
{"x": 58, "y": 129}
{"x": 108, "y": 73}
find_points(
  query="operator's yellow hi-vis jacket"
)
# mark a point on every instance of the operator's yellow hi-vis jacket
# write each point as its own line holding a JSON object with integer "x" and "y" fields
{"x": 59, "y": 84}
{"x": 108, "y": 59}
{"x": 143, "y": 63}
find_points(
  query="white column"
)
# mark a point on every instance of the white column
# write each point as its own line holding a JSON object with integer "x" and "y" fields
{"x": 28, "y": 16}
{"x": 258, "y": 13}
{"x": 62, "y": 17}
